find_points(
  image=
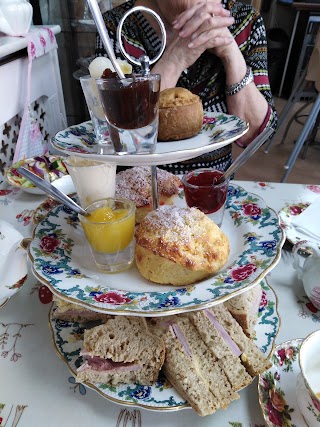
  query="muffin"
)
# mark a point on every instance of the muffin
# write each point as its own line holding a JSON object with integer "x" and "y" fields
{"x": 180, "y": 114}
{"x": 179, "y": 246}
{"x": 135, "y": 184}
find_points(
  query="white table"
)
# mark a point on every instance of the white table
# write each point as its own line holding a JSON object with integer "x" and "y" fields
{"x": 37, "y": 386}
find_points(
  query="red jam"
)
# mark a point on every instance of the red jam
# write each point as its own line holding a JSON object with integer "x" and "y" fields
{"x": 202, "y": 193}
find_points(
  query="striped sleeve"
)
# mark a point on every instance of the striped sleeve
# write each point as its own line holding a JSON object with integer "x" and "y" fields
{"x": 252, "y": 40}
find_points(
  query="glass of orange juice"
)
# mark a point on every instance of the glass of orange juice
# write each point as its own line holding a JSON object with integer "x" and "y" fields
{"x": 109, "y": 230}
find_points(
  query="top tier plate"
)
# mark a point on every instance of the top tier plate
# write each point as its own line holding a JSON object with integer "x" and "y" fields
{"x": 218, "y": 130}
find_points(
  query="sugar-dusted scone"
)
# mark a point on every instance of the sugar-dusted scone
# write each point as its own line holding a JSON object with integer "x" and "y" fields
{"x": 179, "y": 246}
{"x": 135, "y": 184}
{"x": 122, "y": 350}
{"x": 245, "y": 307}
{"x": 180, "y": 114}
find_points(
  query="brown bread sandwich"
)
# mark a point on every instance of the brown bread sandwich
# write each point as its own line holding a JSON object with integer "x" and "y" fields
{"x": 191, "y": 367}
{"x": 122, "y": 350}
{"x": 76, "y": 313}
{"x": 251, "y": 357}
{"x": 208, "y": 357}
{"x": 245, "y": 309}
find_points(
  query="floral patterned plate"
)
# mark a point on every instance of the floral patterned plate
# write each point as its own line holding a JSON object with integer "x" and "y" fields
{"x": 218, "y": 130}
{"x": 43, "y": 209}
{"x": 286, "y": 216}
{"x": 277, "y": 387}
{"x": 67, "y": 339}
{"x": 61, "y": 259}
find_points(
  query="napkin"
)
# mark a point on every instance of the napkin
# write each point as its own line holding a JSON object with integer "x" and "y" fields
{"x": 308, "y": 222}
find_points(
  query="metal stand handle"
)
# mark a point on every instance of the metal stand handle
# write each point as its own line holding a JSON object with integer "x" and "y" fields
{"x": 162, "y": 29}
{"x": 144, "y": 62}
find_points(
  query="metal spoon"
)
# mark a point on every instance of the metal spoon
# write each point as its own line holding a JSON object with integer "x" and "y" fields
{"x": 52, "y": 191}
{"x": 98, "y": 19}
{"x": 247, "y": 153}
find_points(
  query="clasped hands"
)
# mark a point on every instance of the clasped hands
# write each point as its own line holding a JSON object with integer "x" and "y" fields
{"x": 202, "y": 27}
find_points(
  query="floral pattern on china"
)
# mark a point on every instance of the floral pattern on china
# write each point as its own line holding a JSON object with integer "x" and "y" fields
{"x": 287, "y": 215}
{"x": 62, "y": 260}
{"x": 218, "y": 130}
{"x": 68, "y": 336}
{"x": 277, "y": 391}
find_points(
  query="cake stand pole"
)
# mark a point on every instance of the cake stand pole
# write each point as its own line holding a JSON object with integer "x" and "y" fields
{"x": 144, "y": 62}
{"x": 154, "y": 187}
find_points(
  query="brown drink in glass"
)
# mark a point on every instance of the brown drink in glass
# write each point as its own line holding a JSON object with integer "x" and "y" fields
{"x": 131, "y": 108}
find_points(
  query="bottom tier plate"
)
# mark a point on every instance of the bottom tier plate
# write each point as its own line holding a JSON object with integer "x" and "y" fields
{"x": 67, "y": 339}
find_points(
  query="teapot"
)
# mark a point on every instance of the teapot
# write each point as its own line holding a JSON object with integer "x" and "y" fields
{"x": 15, "y": 17}
{"x": 309, "y": 272}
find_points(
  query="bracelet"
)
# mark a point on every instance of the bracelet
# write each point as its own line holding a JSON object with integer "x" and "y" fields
{"x": 236, "y": 87}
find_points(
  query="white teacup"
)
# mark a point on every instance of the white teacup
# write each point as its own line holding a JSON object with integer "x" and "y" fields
{"x": 308, "y": 381}
{"x": 309, "y": 272}
{"x": 93, "y": 180}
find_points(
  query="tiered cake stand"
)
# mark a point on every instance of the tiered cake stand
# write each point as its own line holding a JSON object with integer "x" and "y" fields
{"x": 68, "y": 269}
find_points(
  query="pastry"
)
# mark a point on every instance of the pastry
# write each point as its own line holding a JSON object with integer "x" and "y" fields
{"x": 179, "y": 246}
{"x": 180, "y": 114}
{"x": 135, "y": 184}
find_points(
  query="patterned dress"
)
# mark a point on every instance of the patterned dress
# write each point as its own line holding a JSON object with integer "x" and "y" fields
{"x": 206, "y": 77}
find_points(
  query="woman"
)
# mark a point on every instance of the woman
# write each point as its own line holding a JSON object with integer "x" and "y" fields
{"x": 213, "y": 49}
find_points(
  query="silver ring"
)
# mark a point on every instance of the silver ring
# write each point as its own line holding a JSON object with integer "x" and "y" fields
{"x": 162, "y": 28}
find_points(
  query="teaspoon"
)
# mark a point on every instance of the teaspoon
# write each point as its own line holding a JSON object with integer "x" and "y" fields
{"x": 52, "y": 191}
{"x": 247, "y": 153}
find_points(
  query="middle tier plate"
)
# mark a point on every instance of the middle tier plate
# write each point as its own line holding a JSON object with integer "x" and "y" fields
{"x": 61, "y": 259}
{"x": 218, "y": 130}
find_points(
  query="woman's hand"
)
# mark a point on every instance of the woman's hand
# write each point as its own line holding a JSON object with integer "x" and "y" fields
{"x": 205, "y": 26}
{"x": 204, "y": 29}
{"x": 184, "y": 48}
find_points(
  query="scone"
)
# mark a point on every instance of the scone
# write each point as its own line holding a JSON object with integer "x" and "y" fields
{"x": 179, "y": 246}
{"x": 135, "y": 184}
{"x": 180, "y": 114}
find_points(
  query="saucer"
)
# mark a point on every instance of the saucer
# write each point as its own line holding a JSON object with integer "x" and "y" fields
{"x": 277, "y": 387}
{"x": 286, "y": 215}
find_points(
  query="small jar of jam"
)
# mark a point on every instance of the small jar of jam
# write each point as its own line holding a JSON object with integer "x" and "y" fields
{"x": 203, "y": 190}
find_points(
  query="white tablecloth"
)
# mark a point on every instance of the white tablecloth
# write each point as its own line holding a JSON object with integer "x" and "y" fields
{"x": 37, "y": 389}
